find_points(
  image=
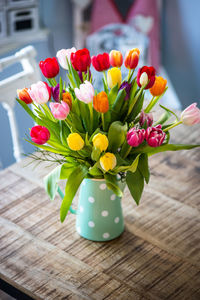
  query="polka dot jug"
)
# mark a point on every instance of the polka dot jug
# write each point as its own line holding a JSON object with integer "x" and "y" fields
{"x": 99, "y": 214}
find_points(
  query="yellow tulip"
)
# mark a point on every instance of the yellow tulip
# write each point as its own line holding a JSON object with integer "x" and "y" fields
{"x": 108, "y": 161}
{"x": 114, "y": 76}
{"x": 75, "y": 141}
{"x": 100, "y": 141}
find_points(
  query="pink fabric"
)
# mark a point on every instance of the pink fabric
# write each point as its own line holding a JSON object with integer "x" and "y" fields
{"x": 105, "y": 12}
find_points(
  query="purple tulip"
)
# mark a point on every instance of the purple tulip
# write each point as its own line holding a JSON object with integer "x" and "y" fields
{"x": 155, "y": 136}
{"x": 135, "y": 137}
{"x": 146, "y": 119}
{"x": 55, "y": 92}
{"x": 127, "y": 87}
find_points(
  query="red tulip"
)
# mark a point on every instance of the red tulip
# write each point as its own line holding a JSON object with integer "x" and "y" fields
{"x": 101, "y": 62}
{"x": 81, "y": 60}
{"x": 24, "y": 96}
{"x": 49, "y": 67}
{"x": 146, "y": 75}
{"x": 39, "y": 134}
{"x": 155, "y": 136}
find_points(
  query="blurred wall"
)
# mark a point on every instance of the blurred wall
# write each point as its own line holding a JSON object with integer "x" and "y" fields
{"x": 181, "y": 47}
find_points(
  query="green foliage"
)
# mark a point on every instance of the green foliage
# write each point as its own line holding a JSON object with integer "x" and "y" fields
{"x": 119, "y": 130}
{"x": 135, "y": 183}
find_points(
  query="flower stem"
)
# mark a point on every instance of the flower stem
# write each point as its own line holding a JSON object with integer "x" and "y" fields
{"x": 172, "y": 126}
{"x": 127, "y": 152}
{"x": 103, "y": 121}
{"x": 150, "y": 105}
{"x": 91, "y": 114}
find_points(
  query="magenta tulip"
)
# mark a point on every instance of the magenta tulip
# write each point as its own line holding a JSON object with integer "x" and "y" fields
{"x": 135, "y": 137}
{"x": 60, "y": 111}
{"x": 146, "y": 119}
{"x": 155, "y": 136}
{"x": 39, "y": 134}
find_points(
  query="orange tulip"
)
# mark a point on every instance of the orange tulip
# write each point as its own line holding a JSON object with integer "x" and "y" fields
{"x": 24, "y": 96}
{"x": 66, "y": 97}
{"x": 158, "y": 87}
{"x": 132, "y": 58}
{"x": 116, "y": 58}
{"x": 100, "y": 102}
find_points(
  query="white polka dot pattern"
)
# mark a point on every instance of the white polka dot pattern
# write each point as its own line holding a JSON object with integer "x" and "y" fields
{"x": 113, "y": 197}
{"x": 104, "y": 213}
{"x": 91, "y": 199}
{"x": 106, "y": 235}
{"x": 91, "y": 224}
{"x": 102, "y": 186}
{"x": 116, "y": 220}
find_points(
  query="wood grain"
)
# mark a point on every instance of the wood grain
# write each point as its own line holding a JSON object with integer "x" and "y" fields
{"x": 157, "y": 256}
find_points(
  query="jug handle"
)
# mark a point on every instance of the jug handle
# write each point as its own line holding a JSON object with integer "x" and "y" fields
{"x": 73, "y": 211}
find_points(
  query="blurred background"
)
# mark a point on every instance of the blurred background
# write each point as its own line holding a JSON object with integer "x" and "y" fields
{"x": 167, "y": 33}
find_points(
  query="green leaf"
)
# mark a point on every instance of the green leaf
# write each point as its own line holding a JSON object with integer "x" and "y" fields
{"x": 64, "y": 132}
{"x": 113, "y": 94}
{"x": 112, "y": 184}
{"x": 164, "y": 118}
{"x": 72, "y": 185}
{"x": 96, "y": 152}
{"x": 60, "y": 88}
{"x": 137, "y": 108}
{"x": 169, "y": 111}
{"x": 164, "y": 147}
{"x": 135, "y": 182}
{"x": 117, "y": 105}
{"x": 117, "y": 129}
{"x": 143, "y": 166}
{"x": 131, "y": 168}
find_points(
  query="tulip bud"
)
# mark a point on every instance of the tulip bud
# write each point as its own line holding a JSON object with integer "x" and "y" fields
{"x": 60, "y": 111}
{"x": 75, "y": 141}
{"x": 63, "y": 55}
{"x": 114, "y": 76}
{"x": 108, "y": 161}
{"x": 146, "y": 75}
{"x": 101, "y": 62}
{"x": 66, "y": 97}
{"x": 191, "y": 115}
{"x": 135, "y": 137}
{"x": 85, "y": 93}
{"x": 81, "y": 60}
{"x": 100, "y": 141}
{"x": 55, "y": 90}
{"x": 40, "y": 92}
{"x": 158, "y": 87}
{"x": 24, "y": 96}
{"x": 146, "y": 119}
{"x": 49, "y": 67}
{"x": 39, "y": 134}
{"x": 116, "y": 58}
{"x": 80, "y": 74}
{"x": 132, "y": 58}
{"x": 100, "y": 102}
{"x": 155, "y": 136}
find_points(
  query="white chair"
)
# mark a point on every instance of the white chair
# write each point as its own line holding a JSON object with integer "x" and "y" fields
{"x": 8, "y": 87}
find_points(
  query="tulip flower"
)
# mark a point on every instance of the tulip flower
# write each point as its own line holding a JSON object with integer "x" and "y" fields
{"x": 114, "y": 76}
{"x": 155, "y": 136}
{"x": 135, "y": 137}
{"x": 146, "y": 77}
{"x": 24, "y": 96}
{"x": 85, "y": 92}
{"x": 81, "y": 60}
{"x": 55, "y": 90}
{"x": 101, "y": 62}
{"x": 39, "y": 134}
{"x": 75, "y": 141}
{"x": 60, "y": 111}
{"x": 191, "y": 115}
{"x": 127, "y": 86}
{"x": 100, "y": 141}
{"x": 132, "y": 58}
{"x": 116, "y": 58}
{"x": 63, "y": 56}
{"x": 159, "y": 86}
{"x": 146, "y": 119}
{"x": 108, "y": 161}
{"x": 49, "y": 67}
{"x": 40, "y": 92}
{"x": 100, "y": 102}
{"x": 66, "y": 97}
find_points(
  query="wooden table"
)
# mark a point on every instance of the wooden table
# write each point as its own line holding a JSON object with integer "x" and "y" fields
{"x": 157, "y": 257}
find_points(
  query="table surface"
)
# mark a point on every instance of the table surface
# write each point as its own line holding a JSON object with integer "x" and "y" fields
{"x": 157, "y": 256}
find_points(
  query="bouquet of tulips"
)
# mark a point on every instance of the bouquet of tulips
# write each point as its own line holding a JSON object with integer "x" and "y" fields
{"x": 107, "y": 134}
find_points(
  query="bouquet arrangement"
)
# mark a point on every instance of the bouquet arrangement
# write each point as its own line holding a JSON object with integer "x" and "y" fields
{"x": 108, "y": 134}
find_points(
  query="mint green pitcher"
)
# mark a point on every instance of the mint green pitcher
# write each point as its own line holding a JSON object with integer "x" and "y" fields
{"x": 99, "y": 215}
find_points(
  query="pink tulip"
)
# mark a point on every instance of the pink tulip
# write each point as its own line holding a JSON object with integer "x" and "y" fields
{"x": 155, "y": 136}
{"x": 60, "y": 111}
{"x": 85, "y": 92}
{"x": 39, "y": 134}
{"x": 40, "y": 92}
{"x": 63, "y": 55}
{"x": 191, "y": 115}
{"x": 135, "y": 137}
{"x": 146, "y": 119}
